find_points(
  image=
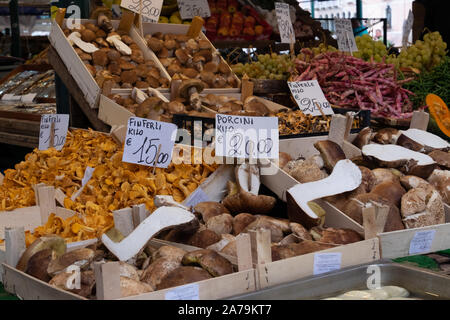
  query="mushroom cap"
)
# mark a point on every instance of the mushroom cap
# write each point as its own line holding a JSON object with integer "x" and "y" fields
{"x": 191, "y": 83}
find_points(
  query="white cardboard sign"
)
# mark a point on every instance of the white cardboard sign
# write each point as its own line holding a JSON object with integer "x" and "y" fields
{"x": 61, "y": 124}
{"x": 144, "y": 138}
{"x": 285, "y": 27}
{"x": 151, "y": 9}
{"x": 191, "y": 8}
{"x": 247, "y": 137}
{"x": 421, "y": 242}
{"x": 309, "y": 97}
{"x": 345, "y": 37}
{"x": 326, "y": 262}
{"x": 407, "y": 27}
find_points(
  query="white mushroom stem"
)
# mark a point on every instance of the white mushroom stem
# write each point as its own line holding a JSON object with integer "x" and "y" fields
{"x": 392, "y": 152}
{"x": 195, "y": 100}
{"x": 216, "y": 57}
{"x": 75, "y": 38}
{"x": 167, "y": 201}
{"x": 138, "y": 95}
{"x": 155, "y": 93}
{"x": 120, "y": 46}
{"x": 426, "y": 138}
{"x": 162, "y": 218}
{"x": 346, "y": 176}
{"x": 243, "y": 173}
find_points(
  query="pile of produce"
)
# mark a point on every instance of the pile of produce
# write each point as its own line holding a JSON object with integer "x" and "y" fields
{"x": 354, "y": 83}
{"x": 369, "y": 49}
{"x": 436, "y": 81}
{"x": 405, "y": 170}
{"x": 269, "y": 66}
{"x": 423, "y": 55}
{"x": 192, "y": 59}
{"x": 306, "y": 54}
{"x": 296, "y": 122}
{"x": 231, "y": 21}
{"x": 170, "y": 13}
{"x": 114, "y": 184}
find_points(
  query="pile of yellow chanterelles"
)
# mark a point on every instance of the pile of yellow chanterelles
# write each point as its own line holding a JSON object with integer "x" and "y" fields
{"x": 114, "y": 184}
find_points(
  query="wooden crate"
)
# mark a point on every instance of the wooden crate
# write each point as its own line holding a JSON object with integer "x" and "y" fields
{"x": 151, "y": 28}
{"x": 392, "y": 244}
{"x": 114, "y": 114}
{"x": 78, "y": 70}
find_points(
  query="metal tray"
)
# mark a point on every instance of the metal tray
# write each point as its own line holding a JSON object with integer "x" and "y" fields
{"x": 420, "y": 283}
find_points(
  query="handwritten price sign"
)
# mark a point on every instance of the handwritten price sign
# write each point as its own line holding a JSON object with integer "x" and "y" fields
{"x": 53, "y": 138}
{"x": 287, "y": 34}
{"x": 149, "y": 142}
{"x": 246, "y": 137}
{"x": 191, "y": 8}
{"x": 345, "y": 37}
{"x": 151, "y": 9}
{"x": 310, "y": 98}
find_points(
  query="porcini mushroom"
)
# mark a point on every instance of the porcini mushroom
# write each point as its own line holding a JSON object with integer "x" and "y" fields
{"x": 75, "y": 38}
{"x": 114, "y": 39}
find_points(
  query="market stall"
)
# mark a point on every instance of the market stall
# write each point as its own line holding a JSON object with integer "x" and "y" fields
{"x": 182, "y": 174}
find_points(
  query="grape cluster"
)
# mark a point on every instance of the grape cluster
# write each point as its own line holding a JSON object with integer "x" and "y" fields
{"x": 423, "y": 55}
{"x": 368, "y": 48}
{"x": 269, "y": 66}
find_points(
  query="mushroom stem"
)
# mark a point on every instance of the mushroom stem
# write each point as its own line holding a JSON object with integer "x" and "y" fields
{"x": 75, "y": 38}
{"x": 194, "y": 99}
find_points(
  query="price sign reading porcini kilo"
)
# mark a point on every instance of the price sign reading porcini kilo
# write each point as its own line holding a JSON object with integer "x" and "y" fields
{"x": 53, "y": 131}
{"x": 150, "y": 9}
{"x": 310, "y": 98}
{"x": 284, "y": 22}
{"x": 345, "y": 37}
{"x": 246, "y": 137}
{"x": 191, "y": 8}
{"x": 149, "y": 142}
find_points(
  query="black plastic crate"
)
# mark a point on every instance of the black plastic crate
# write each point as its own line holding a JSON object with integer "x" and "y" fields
{"x": 187, "y": 122}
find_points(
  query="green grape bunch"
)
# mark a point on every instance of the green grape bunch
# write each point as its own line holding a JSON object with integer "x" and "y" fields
{"x": 423, "y": 55}
{"x": 269, "y": 66}
{"x": 369, "y": 49}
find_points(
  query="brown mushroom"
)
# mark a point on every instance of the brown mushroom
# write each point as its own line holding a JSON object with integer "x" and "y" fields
{"x": 127, "y": 39}
{"x": 100, "y": 58}
{"x": 128, "y": 76}
{"x": 137, "y": 56}
{"x": 155, "y": 44}
{"x": 87, "y": 35}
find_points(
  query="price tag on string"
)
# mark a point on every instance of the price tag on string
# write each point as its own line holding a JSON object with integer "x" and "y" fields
{"x": 310, "y": 98}
{"x": 191, "y": 8}
{"x": 151, "y": 9}
{"x": 53, "y": 131}
{"x": 345, "y": 37}
{"x": 246, "y": 137}
{"x": 421, "y": 242}
{"x": 149, "y": 142}
{"x": 285, "y": 27}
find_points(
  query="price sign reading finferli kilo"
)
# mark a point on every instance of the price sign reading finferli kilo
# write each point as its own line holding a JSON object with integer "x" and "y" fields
{"x": 149, "y": 142}
{"x": 191, "y": 8}
{"x": 310, "y": 98}
{"x": 151, "y": 9}
{"x": 55, "y": 138}
{"x": 246, "y": 137}
{"x": 285, "y": 27}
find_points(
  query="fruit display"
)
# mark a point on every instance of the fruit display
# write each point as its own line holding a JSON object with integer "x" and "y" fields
{"x": 231, "y": 21}
{"x": 422, "y": 55}
{"x": 306, "y": 54}
{"x": 269, "y": 66}
{"x": 113, "y": 58}
{"x": 114, "y": 184}
{"x": 192, "y": 59}
{"x": 171, "y": 14}
{"x": 354, "y": 83}
{"x": 369, "y": 49}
